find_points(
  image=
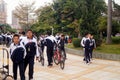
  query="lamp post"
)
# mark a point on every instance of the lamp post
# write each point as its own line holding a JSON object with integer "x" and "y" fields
{"x": 52, "y": 29}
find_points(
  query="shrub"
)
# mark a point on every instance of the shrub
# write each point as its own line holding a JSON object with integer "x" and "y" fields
{"x": 76, "y": 42}
{"x": 97, "y": 40}
{"x": 116, "y": 40}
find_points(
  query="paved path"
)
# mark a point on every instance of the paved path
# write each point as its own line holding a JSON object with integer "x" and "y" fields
{"x": 76, "y": 69}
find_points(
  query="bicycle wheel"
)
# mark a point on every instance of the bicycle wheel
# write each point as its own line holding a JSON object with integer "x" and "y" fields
{"x": 8, "y": 77}
{"x": 42, "y": 61}
{"x": 62, "y": 65}
{"x": 62, "y": 56}
{"x": 40, "y": 58}
{"x": 55, "y": 58}
{"x": 2, "y": 75}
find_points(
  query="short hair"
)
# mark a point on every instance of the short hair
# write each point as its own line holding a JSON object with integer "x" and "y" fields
{"x": 23, "y": 32}
{"x": 16, "y": 35}
{"x": 86, "y": 33}
{"x": 49, "y": 33}
{"x": 29, "y": 30}
{"x": 62, "y": 35}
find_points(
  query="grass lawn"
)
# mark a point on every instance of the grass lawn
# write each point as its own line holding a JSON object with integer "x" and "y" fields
{"x": 111, "y": 49}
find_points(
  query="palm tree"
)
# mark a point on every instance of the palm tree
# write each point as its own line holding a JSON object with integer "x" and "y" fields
{"x": 109, "y": 26}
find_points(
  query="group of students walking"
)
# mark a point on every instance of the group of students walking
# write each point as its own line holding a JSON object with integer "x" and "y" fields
{"x": 5, "y": 39}
{"x": 88, "y": 44}
{"x": 24, "y": 49}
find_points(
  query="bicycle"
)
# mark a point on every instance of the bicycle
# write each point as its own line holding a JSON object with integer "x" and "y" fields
{"x": 41, "y": 57}
{"x": 59, "y": 57}
{"x": 4, "y": 71}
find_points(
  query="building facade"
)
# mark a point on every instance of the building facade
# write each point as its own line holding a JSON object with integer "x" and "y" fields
{"x": 15, "y": 21}
{"x": 3, "y": 12}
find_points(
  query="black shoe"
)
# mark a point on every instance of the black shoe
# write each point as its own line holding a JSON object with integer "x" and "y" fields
{"x": 50, "y": 65}
{"x": 84, "y": 59}
{"x": 31, "y": 79}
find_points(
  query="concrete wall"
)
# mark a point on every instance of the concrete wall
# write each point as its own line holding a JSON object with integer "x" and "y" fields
{"x": 115, "y": 57}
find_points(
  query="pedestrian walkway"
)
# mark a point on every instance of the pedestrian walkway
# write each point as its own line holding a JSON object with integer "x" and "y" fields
{"x": 76, "y": 69}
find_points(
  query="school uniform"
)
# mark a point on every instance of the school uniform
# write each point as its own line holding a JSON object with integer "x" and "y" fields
{"x": 50, "y": 40}
{"x": 92, "y": 46}
{"x": 22, "y": 37}
{"x": 83, "y": 42}
{"x": 31, "y": 50}
{"x": 18, "y": 52}
{"x": 42, "y": 43}
{"x": 1, "y": 39}
{"x": 61, "y": 43}
{"x": 83, "y": 45}
{"x": 87, "y": 50}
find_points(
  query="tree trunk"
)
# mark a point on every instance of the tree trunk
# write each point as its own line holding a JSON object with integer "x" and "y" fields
{"x": 101, "y": 35}
{"x": 79, "y": 36}
{"x": 109, "y": 25}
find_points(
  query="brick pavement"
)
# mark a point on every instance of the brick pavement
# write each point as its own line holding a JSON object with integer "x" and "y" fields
{"x": 76, "y": 69}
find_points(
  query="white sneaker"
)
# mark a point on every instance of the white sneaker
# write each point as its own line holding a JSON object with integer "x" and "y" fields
{"x": 88, "y": 63}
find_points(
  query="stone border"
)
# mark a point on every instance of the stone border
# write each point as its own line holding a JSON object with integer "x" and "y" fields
{"x": 115, "y": 57}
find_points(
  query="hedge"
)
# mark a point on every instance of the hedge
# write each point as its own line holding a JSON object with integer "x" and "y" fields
{"x": 116, "y": 40}
{"x": 76, "y": 42}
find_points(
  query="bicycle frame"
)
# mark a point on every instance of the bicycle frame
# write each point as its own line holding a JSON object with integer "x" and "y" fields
{"x": 57, "y": 53}
{"x": 58, "y": 58}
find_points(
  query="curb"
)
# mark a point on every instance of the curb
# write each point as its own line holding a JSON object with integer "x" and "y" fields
{"x": 114, "y": 57}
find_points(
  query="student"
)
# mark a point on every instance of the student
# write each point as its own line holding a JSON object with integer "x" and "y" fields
{"x": 83, "y": 44}
{"x": 92, "y": 45}
{"x": 32, "y": 49}
{"x": 42, "y": 42}
{"x": 22, "y": 35}
{"x": 18, "y": 53}
{"x": 41, "y": 45}
{"x": 61, "y": 42}
{"x": 8, "y": 39}
{"x": 87, "y": 49}
{"x": 50, "y": 41}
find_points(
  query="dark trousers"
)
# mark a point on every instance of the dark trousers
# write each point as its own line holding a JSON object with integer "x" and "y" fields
{"x": 50, "y": 55}
{"x": 63, "y": 49}
{"x": 42, "y": 48}
{"x": 84, "y": 54}
{"x": 91, "y": 53}
{"x": 21, "y": 69}
{"x": 87, "y": 55}
{"x": 29, "y": 60}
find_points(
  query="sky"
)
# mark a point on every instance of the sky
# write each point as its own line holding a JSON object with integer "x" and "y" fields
{"x": 11, "y": 4}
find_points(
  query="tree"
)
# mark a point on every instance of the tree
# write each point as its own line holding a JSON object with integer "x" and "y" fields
{"x": 109, "y": 26}
{"x": 115, "y": 27}
{"x": 6, "y": 28}
{"x": 102, "y": 26}
{"x": 65, "y": 16}
{"x": 45, "y": 19}
{"x": 116, "y": 10}
{"x": 76, "y": 25}
{"x": 68, "y": 11}
{"x": 94, "y": 10}
{"x": 24, "y": 13}
{"x": 71, "y": 16}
